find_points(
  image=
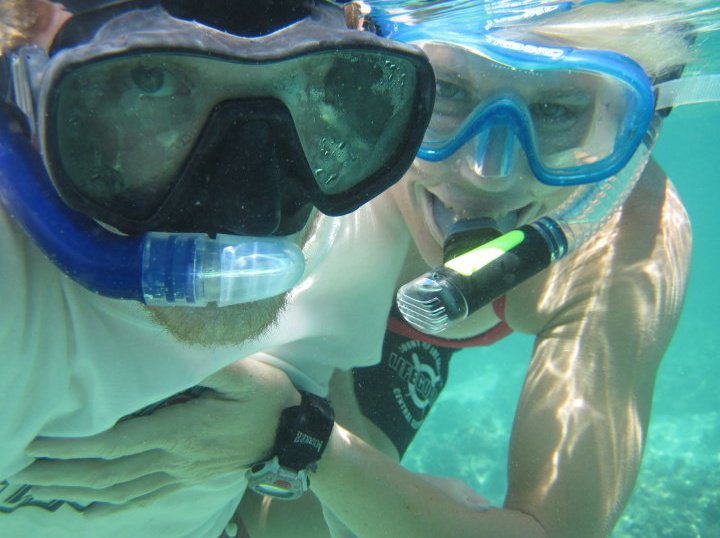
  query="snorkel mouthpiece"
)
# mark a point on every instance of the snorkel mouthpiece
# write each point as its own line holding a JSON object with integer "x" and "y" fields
{"x": 469, "y": 281}
{"x": 194, "y": 270}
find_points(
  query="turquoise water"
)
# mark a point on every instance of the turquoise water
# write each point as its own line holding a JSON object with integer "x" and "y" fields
{"x": 678, "y": 492}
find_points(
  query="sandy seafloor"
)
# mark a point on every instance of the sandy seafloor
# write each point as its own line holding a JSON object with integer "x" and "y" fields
{"x": 678, "y": 492}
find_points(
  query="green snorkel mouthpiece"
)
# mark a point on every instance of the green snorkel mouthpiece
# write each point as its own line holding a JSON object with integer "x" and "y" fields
{"x": 468, "y": 281}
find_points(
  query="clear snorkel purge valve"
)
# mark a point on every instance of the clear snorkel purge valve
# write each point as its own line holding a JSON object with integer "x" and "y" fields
{"x": 465, "y": 283}
{"x": 159, "y": 269}
{"x": 194, "y": 270}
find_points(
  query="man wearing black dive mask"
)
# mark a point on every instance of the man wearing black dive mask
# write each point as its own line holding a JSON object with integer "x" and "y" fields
{"x": 153, "y": 123}
{"x": 168, "y": 156}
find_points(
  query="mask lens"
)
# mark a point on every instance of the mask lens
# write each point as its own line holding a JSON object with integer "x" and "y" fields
{"x": 125, "y": 126}
{"x": 580, "y": 119}
{"x": 350, "y": 121}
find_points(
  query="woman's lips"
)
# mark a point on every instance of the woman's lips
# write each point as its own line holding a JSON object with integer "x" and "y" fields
{"x": 441, "y": 218}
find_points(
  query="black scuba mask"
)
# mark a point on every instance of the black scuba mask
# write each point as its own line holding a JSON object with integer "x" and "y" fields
{"x": 152, "y": 122}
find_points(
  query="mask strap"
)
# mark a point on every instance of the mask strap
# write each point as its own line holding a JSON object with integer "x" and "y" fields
{"x": 80, "y": 6}
{"x": 22, "y": 71}
{"x": 688, "y": 91}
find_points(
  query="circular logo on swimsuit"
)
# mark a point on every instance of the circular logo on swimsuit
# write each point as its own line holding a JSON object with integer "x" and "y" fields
{"x": 418, "y": 379}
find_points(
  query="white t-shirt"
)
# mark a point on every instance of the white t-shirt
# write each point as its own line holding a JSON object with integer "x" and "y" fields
{"x": 74, "y": 363}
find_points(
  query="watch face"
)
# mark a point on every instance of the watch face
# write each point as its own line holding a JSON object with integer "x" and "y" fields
{"x": 279, "y": 488}
{"x": 271, "y": 479}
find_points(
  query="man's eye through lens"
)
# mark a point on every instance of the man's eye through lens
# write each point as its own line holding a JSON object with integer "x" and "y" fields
{"x": 148, "y": 79}
{"x": 157, "y": 82}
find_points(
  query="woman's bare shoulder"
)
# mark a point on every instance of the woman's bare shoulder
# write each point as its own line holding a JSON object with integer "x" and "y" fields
{"x": 645, "y": 244}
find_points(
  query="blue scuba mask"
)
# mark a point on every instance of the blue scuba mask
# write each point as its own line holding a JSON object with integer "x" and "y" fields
{"x": 578, "y": 115}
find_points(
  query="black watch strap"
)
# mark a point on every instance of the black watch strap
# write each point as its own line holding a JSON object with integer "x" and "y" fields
{"x": 303, "y": 432}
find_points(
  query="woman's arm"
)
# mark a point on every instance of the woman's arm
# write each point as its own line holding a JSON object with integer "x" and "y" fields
{"x": 269, "y": 519}
{"x": 376, "y": 497}
{"x": 360, "y": 479}
{"x": 603, "y": 322}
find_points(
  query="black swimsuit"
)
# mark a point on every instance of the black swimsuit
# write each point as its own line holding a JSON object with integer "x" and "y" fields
{"x": 397, "y": 393}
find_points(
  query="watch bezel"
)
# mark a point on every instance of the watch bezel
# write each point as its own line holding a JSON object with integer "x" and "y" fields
{"x": 271, "y": 479}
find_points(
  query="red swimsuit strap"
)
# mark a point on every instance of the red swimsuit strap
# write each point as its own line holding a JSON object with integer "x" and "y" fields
{"x": 498, "y": 332}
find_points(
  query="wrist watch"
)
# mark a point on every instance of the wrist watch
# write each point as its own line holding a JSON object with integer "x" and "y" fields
{"x": 303, "y": 432}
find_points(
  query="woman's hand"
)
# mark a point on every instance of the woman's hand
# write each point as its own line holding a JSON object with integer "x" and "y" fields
{"x": 221, "y": 432}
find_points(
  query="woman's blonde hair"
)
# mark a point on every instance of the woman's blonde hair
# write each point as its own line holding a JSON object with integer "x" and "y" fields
{"x": 17, "y": 18}
{"x": 659, "y": 34}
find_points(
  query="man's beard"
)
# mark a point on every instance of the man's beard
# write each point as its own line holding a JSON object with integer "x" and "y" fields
{"x": 212, "y": 326}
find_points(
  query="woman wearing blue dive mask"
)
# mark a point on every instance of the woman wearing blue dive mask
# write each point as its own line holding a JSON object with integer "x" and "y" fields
{"x": 542, "y": 129}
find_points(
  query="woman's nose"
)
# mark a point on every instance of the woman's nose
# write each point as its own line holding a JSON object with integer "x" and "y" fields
{"x": 494, "y": 158}
{"x": 494, "y": 148}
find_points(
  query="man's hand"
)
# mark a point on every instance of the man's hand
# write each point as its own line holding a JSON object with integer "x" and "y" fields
{"x": 221, "y": 432}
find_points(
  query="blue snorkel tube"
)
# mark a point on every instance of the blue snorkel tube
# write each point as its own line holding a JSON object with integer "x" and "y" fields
{"x": 160, "y": 269}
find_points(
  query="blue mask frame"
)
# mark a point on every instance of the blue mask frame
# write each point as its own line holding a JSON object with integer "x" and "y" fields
{"x": 509, "y": 111}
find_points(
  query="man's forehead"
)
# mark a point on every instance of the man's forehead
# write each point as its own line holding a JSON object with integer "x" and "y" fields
{"x": 240, "y": 17}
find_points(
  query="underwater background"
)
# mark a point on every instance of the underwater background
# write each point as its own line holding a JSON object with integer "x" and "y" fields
{"x": 677, "y": 494}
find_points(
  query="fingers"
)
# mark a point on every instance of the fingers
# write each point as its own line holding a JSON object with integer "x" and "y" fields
{"x": 116, "y": 494}
{"x": 92, "y": 473}
{"x": 162, "y": 430}
{"x": 124, "y": 439}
